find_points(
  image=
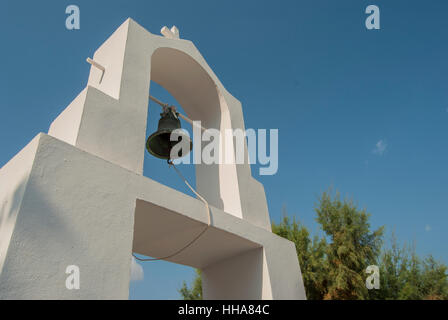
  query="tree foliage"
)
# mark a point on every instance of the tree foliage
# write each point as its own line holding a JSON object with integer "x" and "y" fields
{"x": 195, "y": 292}
{"x": 334, "y": 265}
{"x": 406, "y": 276}
{"x": 311, "y": 254}
{"x": 352, "y": 246}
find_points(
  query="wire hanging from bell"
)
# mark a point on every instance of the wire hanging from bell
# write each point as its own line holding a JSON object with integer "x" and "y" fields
{"x": 209, "y": 221}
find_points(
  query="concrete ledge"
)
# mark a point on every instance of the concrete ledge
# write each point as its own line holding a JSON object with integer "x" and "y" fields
{"x": 80, "y": 209}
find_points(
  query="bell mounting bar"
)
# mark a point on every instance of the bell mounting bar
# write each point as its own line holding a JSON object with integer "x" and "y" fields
{"x": 166, "y": 105}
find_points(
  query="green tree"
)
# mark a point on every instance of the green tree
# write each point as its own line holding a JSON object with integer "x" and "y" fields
{"x": 393, "y": 266}
{"x": 352, "y": 246}
{"x": 311, "y": 254}
{"x": 434, "y": 280}
{"x": 195, "y": 293}
{"x": 405, "y": 276}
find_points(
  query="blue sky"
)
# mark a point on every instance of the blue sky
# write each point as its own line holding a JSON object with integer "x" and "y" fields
{"x": 335, "y": 90}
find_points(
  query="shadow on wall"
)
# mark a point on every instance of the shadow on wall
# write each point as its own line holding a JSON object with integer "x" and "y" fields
{"x": 9, "y": 208}
{"x": 39, "y": 230}
{"x": 224, "y": 280}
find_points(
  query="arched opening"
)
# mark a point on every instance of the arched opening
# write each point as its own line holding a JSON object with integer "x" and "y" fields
{"x": 197, "y": 94}
{"x": 178, "y": 79}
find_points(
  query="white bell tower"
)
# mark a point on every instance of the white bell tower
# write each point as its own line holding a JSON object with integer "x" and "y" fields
{"x": 77, "y": 196}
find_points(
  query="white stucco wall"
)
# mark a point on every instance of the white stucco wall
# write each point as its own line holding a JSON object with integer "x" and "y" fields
{"x": 13, "y": 181}
{"x": 79, "y": 209}
{"x": 78, "y": 196}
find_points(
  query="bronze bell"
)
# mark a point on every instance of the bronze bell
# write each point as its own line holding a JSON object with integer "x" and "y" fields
{"x": 159, "y": 143}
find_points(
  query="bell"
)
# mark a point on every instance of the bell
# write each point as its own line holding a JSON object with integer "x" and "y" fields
{"x": 159, "y": 144}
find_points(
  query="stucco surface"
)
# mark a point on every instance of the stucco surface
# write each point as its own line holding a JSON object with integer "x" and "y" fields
{"x": 77, "y": 196}
{"x": 79, "y": 209}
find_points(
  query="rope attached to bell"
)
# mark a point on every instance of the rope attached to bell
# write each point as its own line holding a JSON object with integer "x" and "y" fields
{"x": 171, "y": 165}
{"x": 165, "y": 107}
